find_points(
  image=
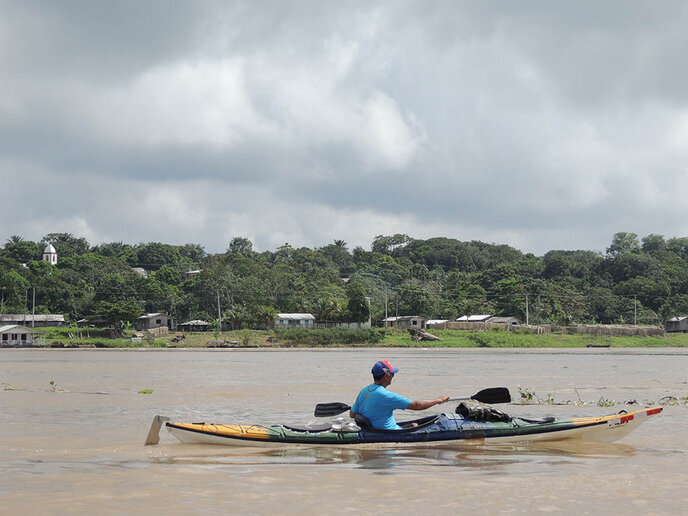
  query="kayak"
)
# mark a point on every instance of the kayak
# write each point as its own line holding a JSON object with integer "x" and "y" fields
{"x": 447, "y": 428}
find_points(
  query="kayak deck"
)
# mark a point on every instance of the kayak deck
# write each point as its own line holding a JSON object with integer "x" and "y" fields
{"x": 432, "y": 430}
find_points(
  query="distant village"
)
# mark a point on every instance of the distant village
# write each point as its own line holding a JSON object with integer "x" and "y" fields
{"x": 24, "y": 329}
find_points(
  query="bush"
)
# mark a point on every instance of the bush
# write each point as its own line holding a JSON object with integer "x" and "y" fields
{"x": 330, "y": 336}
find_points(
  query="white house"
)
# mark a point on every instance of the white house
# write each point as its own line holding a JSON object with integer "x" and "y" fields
{"x": 15, "y": 335}
{"x": 405, "y": 321}
{"x": 295, "y": 321}
{"x": 50, "y": 255}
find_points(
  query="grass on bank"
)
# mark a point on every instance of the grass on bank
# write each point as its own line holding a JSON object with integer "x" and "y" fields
{"x": 364, "y": 337}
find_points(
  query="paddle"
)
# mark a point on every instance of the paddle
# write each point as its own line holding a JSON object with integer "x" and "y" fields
{"x": 154, "y": 431}
{"x": 491, "y": 395}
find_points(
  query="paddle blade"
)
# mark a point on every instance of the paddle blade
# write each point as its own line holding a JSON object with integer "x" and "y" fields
{"x": 493, "y": 395}
{"x": 154, "y": 431}
{"x": 330, "y": 409}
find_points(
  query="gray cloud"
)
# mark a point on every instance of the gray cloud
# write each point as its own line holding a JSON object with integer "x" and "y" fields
{"x": 539, "y": 124}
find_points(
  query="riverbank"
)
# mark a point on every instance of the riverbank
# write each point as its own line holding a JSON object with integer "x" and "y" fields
{"x": 390, "y": 338}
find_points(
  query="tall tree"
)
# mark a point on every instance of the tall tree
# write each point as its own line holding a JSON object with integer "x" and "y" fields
{"x": 357, "y": 305}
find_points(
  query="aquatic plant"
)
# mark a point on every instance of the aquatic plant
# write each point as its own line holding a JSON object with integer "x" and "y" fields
{"x": 527, "y": 395}
{"x": 146, "y": 391}
{"x": 604, "y": 402}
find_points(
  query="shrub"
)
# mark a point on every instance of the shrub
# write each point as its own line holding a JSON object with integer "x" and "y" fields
{"x": 330, "y": 336}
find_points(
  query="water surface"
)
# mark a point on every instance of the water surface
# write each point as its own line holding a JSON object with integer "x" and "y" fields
{"x": 76, "y": 447}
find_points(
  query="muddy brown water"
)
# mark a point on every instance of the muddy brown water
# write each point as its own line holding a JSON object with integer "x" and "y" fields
{"x": 77, "y": 447}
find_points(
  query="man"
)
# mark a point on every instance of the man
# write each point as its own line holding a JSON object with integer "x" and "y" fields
{"x": 378, "y": 404}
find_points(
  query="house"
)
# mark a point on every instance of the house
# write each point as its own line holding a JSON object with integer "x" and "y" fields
{"x": 438, "y": 324}
{"x": 512, "y": 321}
{"x": 154, "y": 320}
{"x": 405, "y": 322}
{"x": 93, "y": 322}
{"x": 50, "y": 255}
{"x": 192, "y": 274}
{"x": 38, "y": 320}
{"x": 294, "y": 321}
{"x": 676, "y": 324}
{"x": 15, "y": 335}
{"x": 195, "y": 325}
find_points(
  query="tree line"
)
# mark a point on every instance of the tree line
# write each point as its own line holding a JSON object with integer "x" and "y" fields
{"x": 634, "y": 280}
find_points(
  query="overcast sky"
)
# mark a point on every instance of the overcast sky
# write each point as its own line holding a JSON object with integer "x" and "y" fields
{"x": 539, "y": 124}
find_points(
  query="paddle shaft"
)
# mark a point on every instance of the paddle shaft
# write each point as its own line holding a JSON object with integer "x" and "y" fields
{"x": 491, "y": 395}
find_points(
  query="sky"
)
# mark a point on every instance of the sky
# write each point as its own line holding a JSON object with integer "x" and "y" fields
{"x": 542, "y": 125}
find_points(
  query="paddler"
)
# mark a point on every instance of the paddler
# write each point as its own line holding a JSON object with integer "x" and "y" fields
{"x": 377, "y": 404}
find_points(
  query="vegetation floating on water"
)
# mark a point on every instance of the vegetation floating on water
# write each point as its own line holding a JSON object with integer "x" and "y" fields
{"x": 528, "y": 396}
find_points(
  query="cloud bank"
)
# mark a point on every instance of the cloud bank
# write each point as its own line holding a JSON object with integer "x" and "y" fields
{"x": 538, "y": 124}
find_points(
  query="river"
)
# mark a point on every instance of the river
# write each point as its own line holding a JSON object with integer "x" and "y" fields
{"x": 76, "y": 446}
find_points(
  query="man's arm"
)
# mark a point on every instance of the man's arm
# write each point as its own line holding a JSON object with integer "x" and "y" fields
{"x": 426, "y": 404}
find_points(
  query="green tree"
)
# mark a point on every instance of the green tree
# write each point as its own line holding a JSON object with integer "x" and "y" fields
{"x": 119, "y": 313}
{"x": 21, "y": 250}
{"x": 66, "y": 244}
{"x": 358, "y": 307}
{"x": 623, "y": 243}
{"x": 242, "y": 246}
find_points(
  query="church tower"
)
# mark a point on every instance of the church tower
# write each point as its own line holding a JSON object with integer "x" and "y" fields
{"x": 50, "y": 255}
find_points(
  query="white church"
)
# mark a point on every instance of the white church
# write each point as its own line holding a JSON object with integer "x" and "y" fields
{"x": 50, "y": 255}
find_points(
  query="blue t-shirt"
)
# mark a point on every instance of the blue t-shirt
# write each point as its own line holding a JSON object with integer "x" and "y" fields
{"x": 378, "y": 405}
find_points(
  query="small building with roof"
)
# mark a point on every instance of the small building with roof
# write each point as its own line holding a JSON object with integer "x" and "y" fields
{"x": 405, "y": 322}
{"x": 194, "y": 325}
{"x": 437, "y": 324}
{"x": 12, "y": 335}
{"x": 50, "y": 254}
{"x": 153, "y": 320}
{"x": 33, "y": 321}
{"x": 511, "y": 321}
{"x": 295, "y": 320}
{"x": 677, "y": 324}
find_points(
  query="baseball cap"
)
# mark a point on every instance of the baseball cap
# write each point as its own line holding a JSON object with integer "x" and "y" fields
{"x": 382, "y": 367}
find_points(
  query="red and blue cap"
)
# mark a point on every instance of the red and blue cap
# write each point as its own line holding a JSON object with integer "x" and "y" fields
{"x": 382, "y": 367}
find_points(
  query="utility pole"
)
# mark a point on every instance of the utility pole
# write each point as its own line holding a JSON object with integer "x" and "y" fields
{"x": 219, "y": 312}
{"x": 386, "y": 306}
{"x": 635, "y": 310}
{"x": 33, "y": 309}
{"x": 526, "y": 309}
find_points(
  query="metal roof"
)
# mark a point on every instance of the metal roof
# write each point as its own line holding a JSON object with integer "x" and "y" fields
{"x": 195, "y": 322}
{"x": 502, "y": 319}
{"x": 29, "y": 317}
{"x": 17, "y": 328}
{"x": 473, "y": 318}
{"x": 148, "y": 316}
{"x": 295, "y": 316}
